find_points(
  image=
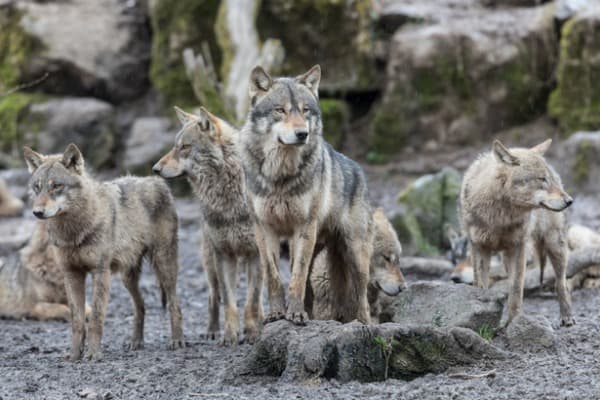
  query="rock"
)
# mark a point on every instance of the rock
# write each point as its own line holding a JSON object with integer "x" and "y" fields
{"x": 581, "y": 162}
{"x": 339, "y": 42}
{"x": 565, "y": 9}
{"x": 442, "y": 304}
{"x": 336, "y": 121}
{"x": 50, "y": 126}
{"x": 13, "y": 109}
{"x": 176, "y": 26}
{"x": 149, "y": 140}
{"x": 465, "y": 78}
{"x": 430, "y": 204}
{"x": 104, "y": 56}
{"x": 366, "y": 353}
{"x": 575, "y": 102}
{"x": 530, "y": 333}
{"x": 15, "y": 233}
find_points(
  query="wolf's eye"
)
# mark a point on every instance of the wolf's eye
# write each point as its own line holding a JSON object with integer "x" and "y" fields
{"x": 305, "y": 110}
{"x": 387, "y": 258}
{"x": 279, "y": 110}
{"x": 543, "y": 179}
{"x": 185, "y": 147}
{"x": 56, "y": 186}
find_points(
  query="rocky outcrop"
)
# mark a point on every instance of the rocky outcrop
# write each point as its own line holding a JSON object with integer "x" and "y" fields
{"x": 150, "y": 138}
{"x": 575, "y": 102}
{"x": 581, "y": 161}
{"x": 465, "y": 77}
{"x": 366, "y": 353}
{"x": 89, "y": 48}
{"x": 441, "y": 304}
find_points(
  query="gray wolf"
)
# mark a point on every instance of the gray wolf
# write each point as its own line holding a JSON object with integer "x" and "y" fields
{"x": 499, "y": 192}
{"x": 303, "y": 190}
{"x": 206, "y": 154}
{"x": 104, "y": 227}
{"x": 385, "y": 277}
{"x": 31, "y": 282}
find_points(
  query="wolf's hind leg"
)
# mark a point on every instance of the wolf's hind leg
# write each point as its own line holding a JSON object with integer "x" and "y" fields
{"x": 50, "y": 311}
{"x": 131, "y": 279}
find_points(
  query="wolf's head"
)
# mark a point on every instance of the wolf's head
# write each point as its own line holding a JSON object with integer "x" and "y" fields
{"x": 385, "y": 262}
{"x": 460, "y": 257}
{"x": 528, "y": 181}
{"x": 56, "y": 181}
{"x": 286, "y": 109}
{"x": 199, "y": 143}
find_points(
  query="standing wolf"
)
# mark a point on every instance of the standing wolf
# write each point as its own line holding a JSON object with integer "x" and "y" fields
{"x": 205, "y": 153}
{"x": 499, "y": 193}
{"x": 303, "y": 190}
{"x": 102, "y": 227}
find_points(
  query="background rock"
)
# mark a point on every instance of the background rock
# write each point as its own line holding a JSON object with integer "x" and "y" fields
{"x": 149, "y": 140}
{"x": 442, "y": 304}
{"x": 366, "y": 353}
{"x": 581, "y": 166}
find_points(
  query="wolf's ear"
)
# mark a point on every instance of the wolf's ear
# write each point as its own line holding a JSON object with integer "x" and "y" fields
{"x": 503, "y": 155}
{"x": 311, "y": 79}
{"x": 260, "y": 82}
{"x": 451, "y": 234}
{"x": 209, "y": 122}
{"x": 542, "y": 148}
{"x": 183, "y": 116}
{"x": 72, "y": 158}
{"x": 33, "y": 159}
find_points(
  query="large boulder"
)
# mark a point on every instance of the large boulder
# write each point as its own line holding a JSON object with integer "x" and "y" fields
{"x": 576, "y": 100}
{"x": 366, "y": 353}
{"x": 530, "y": 333}
{"x": 580, "y": 166}
{"x": 99, "y": 48}
{"x": 429, "y": 206}
{"x": 150, "y": 138}
{"x": 442, "y": 304}
{"x": 465, "y": 78}
{"x": 49, "y": 126}
{"x": 335, "y": 34}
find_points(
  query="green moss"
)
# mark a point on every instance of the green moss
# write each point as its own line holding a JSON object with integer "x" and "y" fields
{"x": 336, "y": 117}
{"x": 12, "y": 109}
{"x": 486, "y": 332}
{"x": 15, "y": 47}
{"x": 583, "y": 157}
{"x": 176, "y": 26}
{"x": 576, "y": 100}
{"x": 416, "y": 354}
{"x": 336, "y": 34}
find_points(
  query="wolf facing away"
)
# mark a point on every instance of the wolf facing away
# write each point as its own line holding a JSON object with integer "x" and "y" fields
{"x": 499, "y": 192}
{"x": 205, "y": 153}
{"x": 301, "y": 189}
{"x": 385, "y": 277}
{"x": 104, "y": 227}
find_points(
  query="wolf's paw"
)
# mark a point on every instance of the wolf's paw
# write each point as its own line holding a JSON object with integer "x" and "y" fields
{"x": 297, "y": 317}
{"x": 94, "y": 356}
{"x": 251, "y": 336}
{"x": 176, "y": 344}
{"x": 134, "y": 344}
{"x": 274, "y": 316}
{"x": 230, "y": 339}
{"x": 209, "y": 335}
{"x": 567, "y": 321}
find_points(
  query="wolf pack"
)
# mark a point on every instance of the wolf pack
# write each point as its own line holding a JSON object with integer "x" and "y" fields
{"x": 275, "y": 180}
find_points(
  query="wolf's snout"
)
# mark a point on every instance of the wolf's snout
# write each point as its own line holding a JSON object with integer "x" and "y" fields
{"x": 455, "y": 279}
{"x": 157, "y": 168}
{"x": 38, "y": 214}
{"x": 569, "y": 201}
{"x": 301, "y": 134}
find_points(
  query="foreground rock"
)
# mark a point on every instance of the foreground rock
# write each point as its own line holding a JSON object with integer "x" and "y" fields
{"x": 530, "y": 333}
{"x": 328, "y": 349}
{"x": 441, "y": 304}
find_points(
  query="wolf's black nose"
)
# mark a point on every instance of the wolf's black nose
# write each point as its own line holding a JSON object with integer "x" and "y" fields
{"x": 301, "y": 135}
{"x": 38, "y": 214}
{"x": 455, "y": 279}
{"x": 569, "y": 201}
{"x": 156, "y": 169}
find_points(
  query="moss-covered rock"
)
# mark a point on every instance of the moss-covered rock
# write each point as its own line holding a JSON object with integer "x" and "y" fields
{"x": 333, "y": 33}
{"x": 15, "y": 47}
{"x": 576, "y": 100}
{"x": 13, "y": 108}
{"x": 459, "y": 81}
{"x": 336, "y": 119}
{"x": 177, "y": 25}
{"x": 580, "y": 170}
{"x": 430, "y": 205}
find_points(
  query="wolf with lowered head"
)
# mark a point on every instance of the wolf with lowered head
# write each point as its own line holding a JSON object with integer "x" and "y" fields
{"x": 205, "y": 153}
{"x": 104, "y": 227}
{"x": 301, "y": 189}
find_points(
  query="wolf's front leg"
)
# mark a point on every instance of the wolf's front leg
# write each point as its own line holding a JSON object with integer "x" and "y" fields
{"x": 253, "y": 308}
{"x": 515, "y": 262}
{"x": 481, "y": 267}
{"x": 359, "y": 262}
{"x": 268, "y": 247}
{"x": 558, "y": 253}
{"x": 214, "y": 297}
{"x": 227, "y": 276}
{"x": 303, "y": 246}
{"x": 100, "y": 292}
{"x": 75, "y": 288}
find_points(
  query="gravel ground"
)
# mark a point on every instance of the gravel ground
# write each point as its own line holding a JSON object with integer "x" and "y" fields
{"x": 32, "y": 366}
